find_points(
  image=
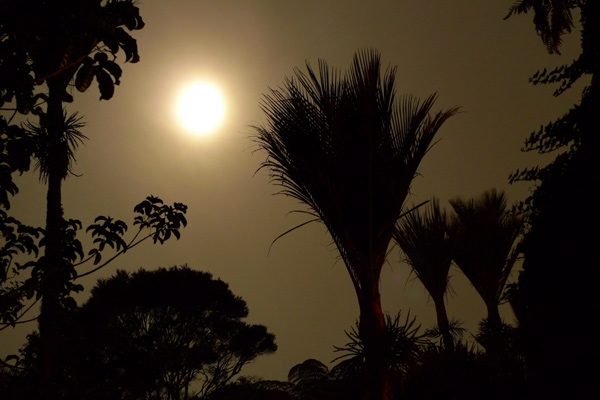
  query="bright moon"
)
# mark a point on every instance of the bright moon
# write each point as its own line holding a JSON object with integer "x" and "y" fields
{"x": 200, "y": 108}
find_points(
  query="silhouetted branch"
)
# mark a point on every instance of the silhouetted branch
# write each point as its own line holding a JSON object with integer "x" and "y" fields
{"x": 16, "y": 321}
{"x": 129, "y": 246}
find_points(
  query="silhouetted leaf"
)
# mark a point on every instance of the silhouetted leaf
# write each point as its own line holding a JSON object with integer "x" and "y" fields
{"x": 67, "y": 97}
{"x": 85, "y": 75}
{"x": 114, "y": 69}
{"x": 100, "y": 57}
{"x": 105, "y": 84}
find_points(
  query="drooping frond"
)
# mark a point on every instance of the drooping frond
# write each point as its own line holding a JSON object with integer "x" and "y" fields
{"x": 552, "y": 19}
{"x": 343, "y": 146}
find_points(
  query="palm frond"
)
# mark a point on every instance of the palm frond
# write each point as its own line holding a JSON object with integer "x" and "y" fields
{"x": 427, "y": 241}
{"x": 485, "y": 248}
{"x": 455, "y": 328}
{"x": 291, "y": 230}
{"x": 340, "y": 144}
{"x": 552, "y": 19}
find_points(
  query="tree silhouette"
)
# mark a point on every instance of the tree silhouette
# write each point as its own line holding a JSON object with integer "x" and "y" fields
{"x": 427, "y": 240}
{"x": 46, "y": 49}
{"x": 463, "y": 372}
{"x": 173, "y": 334}
{"x": 554, "y": 295}
{"x": 308, "y": 378}
{"x": 252, "y": 389}
{"x": 343, "y": 146}
{"x": 311, "y": 379}
{"x": 485, "y": 249}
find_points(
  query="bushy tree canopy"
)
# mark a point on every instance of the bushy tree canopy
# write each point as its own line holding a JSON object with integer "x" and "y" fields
{"x": 168, "y": 333}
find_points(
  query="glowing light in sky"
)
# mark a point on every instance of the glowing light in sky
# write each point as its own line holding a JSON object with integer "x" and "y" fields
{"x": 200, "y": 108}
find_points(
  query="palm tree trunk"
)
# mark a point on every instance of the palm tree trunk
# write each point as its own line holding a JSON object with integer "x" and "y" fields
{"x": 443, "y": 323}
{"x": 493, "y": 314}
{"x": 49, "y": 325}
{"x": 494, "y": 340}
{"x": 372, "y": 331}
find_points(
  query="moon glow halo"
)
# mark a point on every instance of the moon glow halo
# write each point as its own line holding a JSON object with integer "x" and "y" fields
{"x": 200, "y": 108}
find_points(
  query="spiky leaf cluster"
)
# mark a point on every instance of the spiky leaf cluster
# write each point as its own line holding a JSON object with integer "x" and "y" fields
{"x": 401, "y": 343}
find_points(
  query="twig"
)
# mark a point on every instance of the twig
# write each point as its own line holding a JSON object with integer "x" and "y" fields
{"x": 20, "y": 316}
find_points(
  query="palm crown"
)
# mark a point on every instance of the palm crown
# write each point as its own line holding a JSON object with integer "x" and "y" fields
{"x": 348, "y": 150}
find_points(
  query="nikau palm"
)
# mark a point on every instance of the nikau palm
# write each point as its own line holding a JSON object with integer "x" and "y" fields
{"x": 343, "y": 146}
{"x": 485, "y": 249}
{"x": 427, "y": 241}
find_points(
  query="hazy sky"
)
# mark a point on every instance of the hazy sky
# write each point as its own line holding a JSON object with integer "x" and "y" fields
{"x": 461, "y": 49}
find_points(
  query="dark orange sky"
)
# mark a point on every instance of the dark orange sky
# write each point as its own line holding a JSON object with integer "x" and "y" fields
{"x": 300, "y": 291}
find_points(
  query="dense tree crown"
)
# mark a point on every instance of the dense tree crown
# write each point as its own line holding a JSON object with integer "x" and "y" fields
{"x": 554, "y": 294}
{"x": 47, "y": 42}
{"x": 170, "y": 333}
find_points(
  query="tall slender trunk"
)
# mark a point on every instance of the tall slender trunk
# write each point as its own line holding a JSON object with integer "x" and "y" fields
{"x": 493, "y": 314}
{"x": 494, "y": 339}
{"x": 49, "y": 324}
{"x": 372, "y": 331}
{"x": 443, "y": 323}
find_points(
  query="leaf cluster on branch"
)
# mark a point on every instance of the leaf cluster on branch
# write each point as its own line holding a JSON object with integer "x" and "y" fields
{"x": 154, "y": 220}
